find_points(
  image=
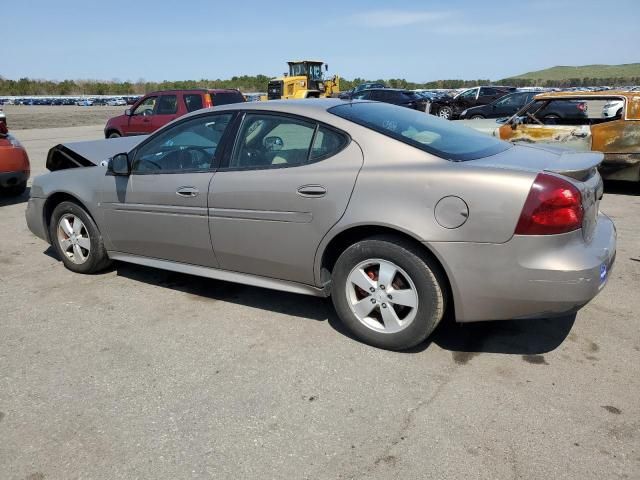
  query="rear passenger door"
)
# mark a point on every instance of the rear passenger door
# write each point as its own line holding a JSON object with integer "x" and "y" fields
{"x": 284, "y": 184}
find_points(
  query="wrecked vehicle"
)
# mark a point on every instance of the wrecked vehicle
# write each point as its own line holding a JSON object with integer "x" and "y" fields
{"x": 608, "y": 123}
{"x": 397, "y": 215}
{"x": 450, "y": 107}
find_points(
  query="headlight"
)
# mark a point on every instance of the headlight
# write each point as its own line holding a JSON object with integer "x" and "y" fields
{"x": 463, "y": 113}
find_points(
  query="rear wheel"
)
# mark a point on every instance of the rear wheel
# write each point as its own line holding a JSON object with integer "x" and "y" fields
{"x": 445, "y": 112}
{"x": 113, "y": 135}
{"x": 388, "y": 293}
{"x": 477, "y": 117}
{"x": 76, "y": 238}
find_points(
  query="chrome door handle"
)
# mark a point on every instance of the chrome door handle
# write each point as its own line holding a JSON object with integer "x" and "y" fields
{"x": 188, "y": 192}
{"x": 579, "y": 134}
{"x": 312, "y": 191}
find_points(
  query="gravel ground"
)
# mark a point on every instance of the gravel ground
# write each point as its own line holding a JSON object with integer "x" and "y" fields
{"x": 20, "y": 117}
{"x": 139, "y": 373}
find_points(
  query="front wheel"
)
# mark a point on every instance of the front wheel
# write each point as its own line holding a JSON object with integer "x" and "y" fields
{"x": 76, "y": 239}
{"x": 476, "y": 117}
{"x": 114, "y": 135}
{"x": 388, "y": 293}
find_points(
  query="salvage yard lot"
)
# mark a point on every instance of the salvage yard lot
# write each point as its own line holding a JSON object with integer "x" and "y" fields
{"x": 49, "y": 116}
{"x": 141, "y": 373}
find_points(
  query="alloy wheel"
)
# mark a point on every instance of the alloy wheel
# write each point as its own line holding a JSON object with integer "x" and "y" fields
{"x": 73, "y": 238}
{"x": 382, "y": 296}
{"x": 444, "y": 112}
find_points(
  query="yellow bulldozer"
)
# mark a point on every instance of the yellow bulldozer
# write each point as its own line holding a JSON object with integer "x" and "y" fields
{"x": 304, "y": 80}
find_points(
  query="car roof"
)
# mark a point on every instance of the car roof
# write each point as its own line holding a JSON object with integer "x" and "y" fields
{"x": 387, "y": 89}
{"x": 198, "y": 90}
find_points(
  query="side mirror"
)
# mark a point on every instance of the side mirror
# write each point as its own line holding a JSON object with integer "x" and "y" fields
{"x": 120, "y": 165}
{"x": 326, "y": 67}
{"x": 128, "y": 112}
{"x": 273, "y": 144}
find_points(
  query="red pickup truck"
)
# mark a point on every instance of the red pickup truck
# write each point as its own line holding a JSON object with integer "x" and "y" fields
{"x": 156, "y": 109}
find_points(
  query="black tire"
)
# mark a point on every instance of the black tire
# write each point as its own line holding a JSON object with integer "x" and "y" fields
{"x": 114, "y": 135}
{"x": 97, "y": 258}
{"x": 425, "y": 274}
{"x": 476, "y": 117}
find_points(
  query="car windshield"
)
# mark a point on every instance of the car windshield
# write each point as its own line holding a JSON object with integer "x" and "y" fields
{"x": 426, "y": 132}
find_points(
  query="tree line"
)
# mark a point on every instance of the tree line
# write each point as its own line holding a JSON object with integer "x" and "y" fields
{"x": 258, "y": 83}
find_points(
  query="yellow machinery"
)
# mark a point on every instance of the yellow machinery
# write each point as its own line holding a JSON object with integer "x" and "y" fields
{"x": 305, "y": 80}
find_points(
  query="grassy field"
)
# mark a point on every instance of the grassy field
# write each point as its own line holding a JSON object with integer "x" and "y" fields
{"x": 586, "y": 71}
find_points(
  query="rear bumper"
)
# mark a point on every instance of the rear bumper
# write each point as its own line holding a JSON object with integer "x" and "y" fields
{"x": 35, "y": 218}
{"x": 529, "y": 276}
{"x": 11, "y": 179}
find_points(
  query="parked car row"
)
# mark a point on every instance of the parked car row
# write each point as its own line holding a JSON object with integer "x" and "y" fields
{"x": 79, "y": 101}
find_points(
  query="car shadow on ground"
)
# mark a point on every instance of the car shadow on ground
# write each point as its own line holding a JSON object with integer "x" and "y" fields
{"x": 516, "y": 337}
{"x": 621, "y": 188}
{"x": 6, "y": 200}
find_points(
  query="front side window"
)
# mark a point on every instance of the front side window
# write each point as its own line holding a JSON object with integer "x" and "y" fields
{"x": 512, "y": 100}
{"x": 426, "y": 132}
{"x": 146, "y": 107}
{"x": 187, "y": 146}
{"x": 167, "y": 105}
{"x": 271, "y": 140}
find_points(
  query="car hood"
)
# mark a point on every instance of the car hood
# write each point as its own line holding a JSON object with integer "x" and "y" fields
{"x": 89, "y": 154}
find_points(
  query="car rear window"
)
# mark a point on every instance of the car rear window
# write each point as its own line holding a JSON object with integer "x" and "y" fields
{"x": 225, "y": 98}
{"x": 428, "y": 133}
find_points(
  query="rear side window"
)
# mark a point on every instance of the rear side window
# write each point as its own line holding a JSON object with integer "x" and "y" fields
{"x": 225, "y": 98}
{"x": 167, "y": 105}
{"x": 326, "y": 143}
{"x": 193, "y": 102}
{"x": 426, "y": 132}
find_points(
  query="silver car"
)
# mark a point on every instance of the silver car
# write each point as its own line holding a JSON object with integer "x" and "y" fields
{"x": 397, "y": 215}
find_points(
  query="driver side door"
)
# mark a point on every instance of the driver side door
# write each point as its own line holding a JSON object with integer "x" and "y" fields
{"x": 160, "y": 210}
{"x": 141, "y": 116}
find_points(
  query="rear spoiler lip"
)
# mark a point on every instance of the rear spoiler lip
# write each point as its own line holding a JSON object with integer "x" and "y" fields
{"x": 578, "y": 165}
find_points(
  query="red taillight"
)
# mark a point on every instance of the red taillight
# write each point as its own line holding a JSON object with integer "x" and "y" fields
{"x": 207, "y": 101}
{"x": 553, "y": 206}
{"x": 582, "y": 106}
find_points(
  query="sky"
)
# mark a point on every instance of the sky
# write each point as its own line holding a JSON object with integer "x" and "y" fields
{"x": 416, "y": 40}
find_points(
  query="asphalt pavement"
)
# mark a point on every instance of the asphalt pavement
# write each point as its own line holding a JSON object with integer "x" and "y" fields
{"x": 140, "y": 373}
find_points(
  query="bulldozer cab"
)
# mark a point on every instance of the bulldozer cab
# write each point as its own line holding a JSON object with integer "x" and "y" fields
{"x": 310, "y": 69}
